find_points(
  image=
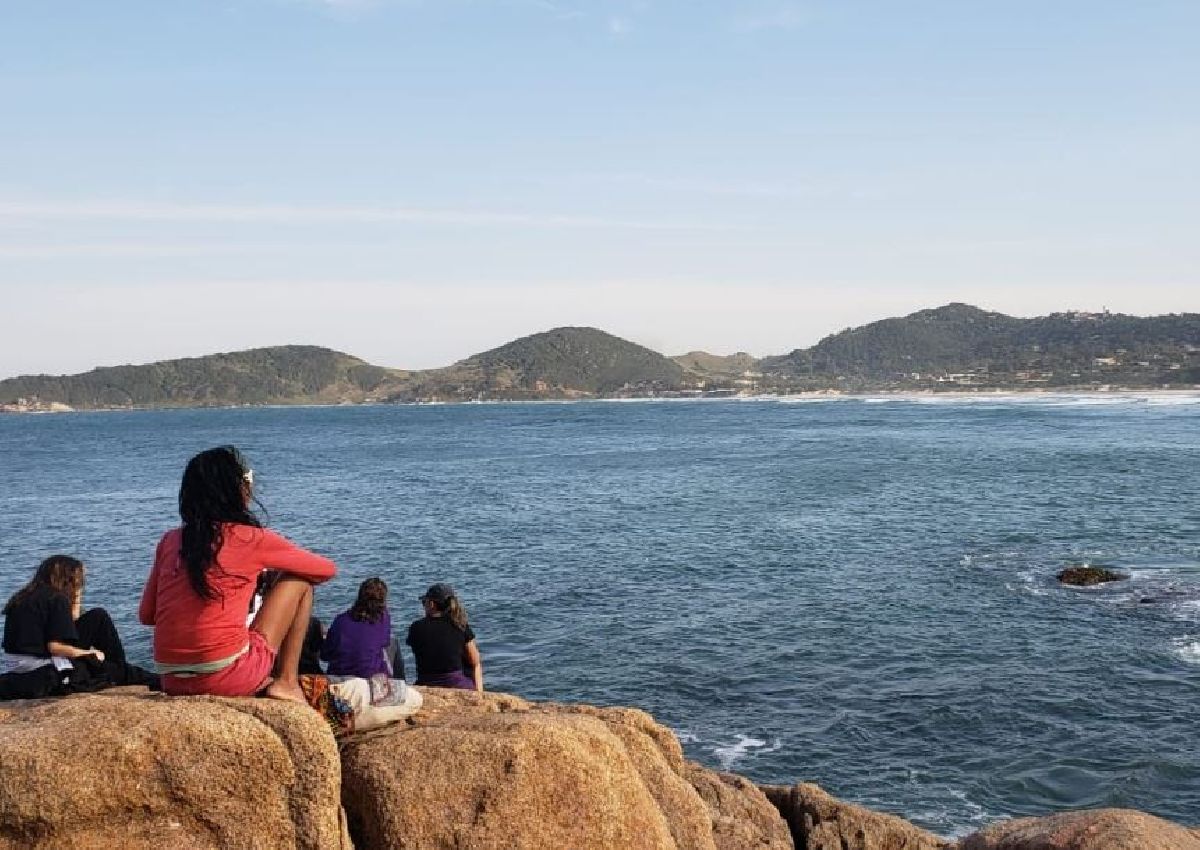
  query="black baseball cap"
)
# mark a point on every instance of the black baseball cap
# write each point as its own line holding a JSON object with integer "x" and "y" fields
{"x": 438, "y": 593}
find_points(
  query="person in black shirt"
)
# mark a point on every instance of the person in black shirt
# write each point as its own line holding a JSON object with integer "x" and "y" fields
{"x": 443, "y": 643}
{"x": 43, "y": 624}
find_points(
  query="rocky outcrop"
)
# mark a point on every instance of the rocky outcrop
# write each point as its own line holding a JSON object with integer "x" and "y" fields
{"x": 495, "y": 771}
{"x": 139, "y": 770}
{"x": 1085, "y": 576}
{"x": 1100, "y": 829}
{"x": 820, "y": 822}
{"x": 127, "y": 768}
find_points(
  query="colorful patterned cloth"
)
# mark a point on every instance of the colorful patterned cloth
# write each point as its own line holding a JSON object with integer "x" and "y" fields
{"x": 335, "y": 710}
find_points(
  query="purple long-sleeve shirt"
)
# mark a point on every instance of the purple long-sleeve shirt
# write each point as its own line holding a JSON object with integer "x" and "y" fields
{"x": 357, "y": 648}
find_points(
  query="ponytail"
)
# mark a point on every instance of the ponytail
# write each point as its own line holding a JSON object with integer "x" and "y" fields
{"x": 456, "y": 613}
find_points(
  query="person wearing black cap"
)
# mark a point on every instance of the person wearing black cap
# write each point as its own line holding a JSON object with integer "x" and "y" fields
{"x": 443, "y": 643}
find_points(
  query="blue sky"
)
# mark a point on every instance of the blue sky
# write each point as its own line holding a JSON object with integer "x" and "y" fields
{"x": 416, "y": 181}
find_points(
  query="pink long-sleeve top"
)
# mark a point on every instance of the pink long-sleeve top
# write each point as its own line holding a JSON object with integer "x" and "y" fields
{"x": 191, "y": 630}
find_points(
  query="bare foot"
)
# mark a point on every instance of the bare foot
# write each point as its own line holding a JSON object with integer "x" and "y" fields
{"x": 285, "y": 691}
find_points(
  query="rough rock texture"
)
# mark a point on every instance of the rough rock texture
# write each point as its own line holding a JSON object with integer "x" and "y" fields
{"x": 1100, "y": 829}
{"x": 131, "y": 769}
{"x": 821, "y": 822}
{"x": 739, "y": 818}
{"x": 493, "y": 771}
{"x": 1085, "y": 576}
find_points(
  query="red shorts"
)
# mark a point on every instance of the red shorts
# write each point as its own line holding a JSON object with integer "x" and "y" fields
{"x": 243, "y": 678}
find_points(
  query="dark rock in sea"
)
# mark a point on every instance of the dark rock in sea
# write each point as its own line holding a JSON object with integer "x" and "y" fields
{"x": 1085, "y": 576}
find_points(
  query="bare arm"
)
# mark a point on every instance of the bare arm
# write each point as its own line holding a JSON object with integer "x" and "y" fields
{"x": 147, "y": 608}
{"x": 65, "y": 650}
{"x": 477, "y": 662}
{"x": 279, "y": 553}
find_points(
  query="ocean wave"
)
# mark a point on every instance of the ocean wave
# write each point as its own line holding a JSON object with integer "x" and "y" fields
{"x": 728, "y": 754}
{"x": 953, "y": 820}
{"x": 1187, "y": 649}
{"x": 1165, "y": 398}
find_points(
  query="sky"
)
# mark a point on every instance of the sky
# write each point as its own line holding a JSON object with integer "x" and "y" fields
{"x": 414, "y": 181}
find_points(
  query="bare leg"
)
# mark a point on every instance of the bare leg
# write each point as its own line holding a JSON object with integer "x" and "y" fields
{"x": 283, "y": 621}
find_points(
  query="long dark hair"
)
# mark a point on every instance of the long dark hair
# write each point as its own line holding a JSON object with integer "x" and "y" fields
{"x": 371, "y": 603}
{"x": 61, "y": 573}
{"x": 454, "y": 611}
{"x": 216, "y": 489}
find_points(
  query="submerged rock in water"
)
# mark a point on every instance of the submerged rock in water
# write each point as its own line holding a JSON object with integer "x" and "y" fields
{"x": 496, "y": 771}
{"x": 821, "y": 822}
{"x": 1085, "y": 576}
{"x": 132, "y": 769}
{"x": 1099, "y": 829}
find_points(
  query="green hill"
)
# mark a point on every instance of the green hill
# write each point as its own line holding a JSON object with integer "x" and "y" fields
{"x": 951, "y": 347}
{"x": 279, "y": 375}
{"x": 703, "y": 364}
{"x": 961, "y": 344}
{"x": 560, "y": 363}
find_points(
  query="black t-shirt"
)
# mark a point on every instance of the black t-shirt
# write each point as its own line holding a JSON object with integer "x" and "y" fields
{"x": 41, "y": 617}
{"x": 438, "y": 645}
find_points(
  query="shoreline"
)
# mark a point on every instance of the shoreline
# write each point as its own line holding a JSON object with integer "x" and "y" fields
{"x": 807, "y": 396}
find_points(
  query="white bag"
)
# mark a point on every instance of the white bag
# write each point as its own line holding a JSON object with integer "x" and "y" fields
{"x": 394, "y": 700}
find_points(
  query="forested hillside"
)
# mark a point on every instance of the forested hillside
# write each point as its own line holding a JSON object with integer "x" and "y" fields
{"x": 283, "y": 374}
{"x": 962, "y": 345}
{"x": 564, "y": 362}
{"x": 952, "y": 347}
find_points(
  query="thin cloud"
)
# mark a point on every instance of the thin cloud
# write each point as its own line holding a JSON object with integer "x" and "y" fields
{"x": 289, "y": 214}
{"x": 733, "y": 188}
{"x": 139, "y": 250}
{"x": 782, "y": 18}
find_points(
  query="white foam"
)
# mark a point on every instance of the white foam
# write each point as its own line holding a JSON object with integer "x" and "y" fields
{"x": 1165, "y": 398}
{"x": 1187, "y": 649}
{"x": 1187, "y": 611}
{"x": 727, "y": 754}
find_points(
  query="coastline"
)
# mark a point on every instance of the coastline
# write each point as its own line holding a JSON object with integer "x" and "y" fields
{"x": 989, "y": 394}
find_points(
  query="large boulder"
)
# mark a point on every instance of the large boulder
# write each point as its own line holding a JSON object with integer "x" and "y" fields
{"x": 1099, "y": 829}
{"x": 1086, "y": 576}
{"x": 819, "y": 821}
{"x": 140, "y": 770}
{"x": 493, "y": 771}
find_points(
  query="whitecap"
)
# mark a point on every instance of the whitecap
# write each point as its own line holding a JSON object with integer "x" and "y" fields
{"x": 727, "y": 754}
{"x": 1186, "y": 649}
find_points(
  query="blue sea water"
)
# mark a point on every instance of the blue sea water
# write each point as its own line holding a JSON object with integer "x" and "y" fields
{"x": 857, "y": 592}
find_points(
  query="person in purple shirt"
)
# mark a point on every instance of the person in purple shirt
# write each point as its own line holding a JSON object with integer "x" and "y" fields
{"x": 358, "y": 641}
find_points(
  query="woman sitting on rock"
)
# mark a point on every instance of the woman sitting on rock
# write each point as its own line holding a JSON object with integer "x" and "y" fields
{"x": 443, "y": 643}
{"x": 51, "y": 649}
{"x": 202, "y": 581}
{"x": 43, "y": 624}
{"x": 358, "y": 640}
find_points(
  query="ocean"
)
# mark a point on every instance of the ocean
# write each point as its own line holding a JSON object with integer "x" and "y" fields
{"x": 854, "y": 592}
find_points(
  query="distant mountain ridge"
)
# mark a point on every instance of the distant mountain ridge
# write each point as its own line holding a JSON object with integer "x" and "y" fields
{"x": 991, "y": 349}
{"x": 281, "y": 374}
{"x": 955, "y": 346}
{"x": 564, "y": 362}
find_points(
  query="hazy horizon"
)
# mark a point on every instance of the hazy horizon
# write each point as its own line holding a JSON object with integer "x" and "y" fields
{"x": 412, "y": 182}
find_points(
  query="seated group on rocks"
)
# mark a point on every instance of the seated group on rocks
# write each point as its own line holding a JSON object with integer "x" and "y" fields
{"x": 220, "y": 564}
